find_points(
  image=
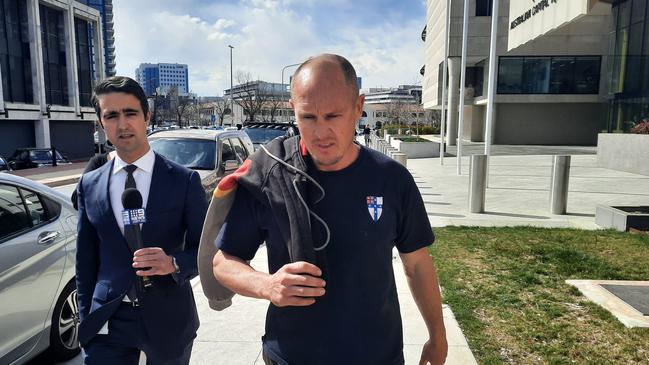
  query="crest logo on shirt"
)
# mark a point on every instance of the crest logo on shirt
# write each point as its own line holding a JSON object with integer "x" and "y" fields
{"x": 375, "y": 207}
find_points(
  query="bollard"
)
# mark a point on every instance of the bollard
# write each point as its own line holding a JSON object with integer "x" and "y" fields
{"x": 401, "y": 158}
{"x": 477, "y": 183}
{"x": 559, "y": 184}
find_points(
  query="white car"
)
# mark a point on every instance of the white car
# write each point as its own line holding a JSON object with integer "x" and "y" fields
{"x": 38, "y": 296}
{"x": 212, "y": 153}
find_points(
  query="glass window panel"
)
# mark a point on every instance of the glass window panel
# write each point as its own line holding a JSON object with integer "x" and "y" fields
{"x": 562, "y": 75}
{"x": 587, "y": 75}
{"x": 536, "y": 75}
{"x": 624, "y": 16}
{"x": 633, "y": 83}
{"x": 13, "y": 216}
{"x": 483, "y": 7}
{"x": 36, "y": 212}
{"x": 638, "y": 11}
{"x": 510, "y": 73}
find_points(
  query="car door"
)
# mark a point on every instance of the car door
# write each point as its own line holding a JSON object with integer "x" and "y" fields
{"x": 32, "y": 260}
{"x": 228, "y": 162}
{"x": 239, "y": 149}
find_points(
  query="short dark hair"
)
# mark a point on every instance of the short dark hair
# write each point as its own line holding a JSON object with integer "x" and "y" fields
{"x": 119, "y": 84}
{"x": 345, "y": 66}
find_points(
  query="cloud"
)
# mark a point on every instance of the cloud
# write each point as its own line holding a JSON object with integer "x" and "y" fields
{"x": 267, "y": 35}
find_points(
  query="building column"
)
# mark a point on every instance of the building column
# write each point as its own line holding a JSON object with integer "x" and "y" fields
{"x": 71, "y": 59}
{"x": 98, "y": 41}
{"x": 453, "y": 99}
{"x": 41, "y": 125}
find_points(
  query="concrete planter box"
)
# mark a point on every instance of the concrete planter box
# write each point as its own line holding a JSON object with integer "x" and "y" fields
{"x": 624, "y": 152}
{"x": 622, "y": 218}
{"x": 416, "y": 149}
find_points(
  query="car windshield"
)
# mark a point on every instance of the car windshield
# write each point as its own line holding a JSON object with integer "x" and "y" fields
{"x": 197, "y": 154}
{"x": 264, "y": 135}
{"x": 40, "y": 155}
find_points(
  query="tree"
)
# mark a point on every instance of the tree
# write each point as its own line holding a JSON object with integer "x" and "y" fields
{"x": 180, "y": 105}
{"x": 248, "y": 96}
{"x": 273, "y": 105}
{"x": 221, "y": 109}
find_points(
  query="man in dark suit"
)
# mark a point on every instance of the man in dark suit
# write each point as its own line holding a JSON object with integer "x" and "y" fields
{"x": 120, "y": 315}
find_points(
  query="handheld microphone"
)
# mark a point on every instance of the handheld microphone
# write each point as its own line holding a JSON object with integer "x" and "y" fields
{"x": 132, "y": 216}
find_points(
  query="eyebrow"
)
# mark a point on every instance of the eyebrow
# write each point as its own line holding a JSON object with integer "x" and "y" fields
{"x": 125, "y": 110}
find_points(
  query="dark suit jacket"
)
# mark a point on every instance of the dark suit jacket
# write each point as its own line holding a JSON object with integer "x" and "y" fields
{"x": 175, "y": 213}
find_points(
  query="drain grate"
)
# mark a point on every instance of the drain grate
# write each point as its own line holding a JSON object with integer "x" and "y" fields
{"x": 636, "y": 296}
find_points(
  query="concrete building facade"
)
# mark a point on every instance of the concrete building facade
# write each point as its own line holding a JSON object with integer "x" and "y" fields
{"x": 46, "y": 72}
{"x": 393, "y": 105}
{"x": 552, "y": 83}
{"x": 160, "y": 77}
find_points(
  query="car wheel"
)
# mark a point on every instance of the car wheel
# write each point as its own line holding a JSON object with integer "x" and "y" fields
{"x": 64, "y": 336}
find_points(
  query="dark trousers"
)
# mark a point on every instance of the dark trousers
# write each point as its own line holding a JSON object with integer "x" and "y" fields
{"x": 125, "y": 339}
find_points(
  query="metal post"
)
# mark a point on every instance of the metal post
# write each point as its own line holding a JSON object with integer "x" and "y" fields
{"x": 477, "y": 183}
{"x": 493, "y": 61}
{"x": 231, "y": 89}
{"x": 460, "y": 126}
{"x": 447, "y": 34}
{"x": 559, "y": 186}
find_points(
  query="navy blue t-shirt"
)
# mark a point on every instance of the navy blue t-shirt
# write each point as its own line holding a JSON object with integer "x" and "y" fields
{"x": 370, "y": 206}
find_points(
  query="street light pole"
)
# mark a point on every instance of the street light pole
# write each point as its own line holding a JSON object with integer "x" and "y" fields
{"x": 284, "y": 68}
{"x": 231, "y": 89}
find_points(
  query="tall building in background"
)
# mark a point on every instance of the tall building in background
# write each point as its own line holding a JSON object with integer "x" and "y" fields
{"x": 47, "y": 73}
{"x": 161, "y": 77}
{"x": 105, "y": 8}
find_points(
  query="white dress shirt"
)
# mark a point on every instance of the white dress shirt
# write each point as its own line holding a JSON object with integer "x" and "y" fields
{"x": 142, "y": 176}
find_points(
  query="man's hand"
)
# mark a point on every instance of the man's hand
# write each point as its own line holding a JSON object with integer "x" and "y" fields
{"x": 434, "y": 352}
{"x": 294, "y": 284}
{"x": 154, "y": 260}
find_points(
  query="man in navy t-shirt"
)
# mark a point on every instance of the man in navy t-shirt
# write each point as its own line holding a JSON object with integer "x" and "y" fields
{"x": 344, "y": 310}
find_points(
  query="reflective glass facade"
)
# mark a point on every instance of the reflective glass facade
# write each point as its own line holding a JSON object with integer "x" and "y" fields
{"x": 15, "y": 58}
{"x": 629, "y": 49}
{"x": 54, "y": 56}
{"x": 549, "y": 75}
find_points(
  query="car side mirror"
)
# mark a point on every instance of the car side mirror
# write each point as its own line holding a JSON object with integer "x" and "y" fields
{"x": 230, "y": 165}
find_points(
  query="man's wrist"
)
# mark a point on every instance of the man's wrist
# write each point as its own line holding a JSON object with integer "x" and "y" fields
{"x": 174, "y": 264}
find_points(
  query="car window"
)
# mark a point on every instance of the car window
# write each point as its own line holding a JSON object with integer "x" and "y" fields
{"x": 197, "y": 154}
{"x": 36, "y": 210}
{"x": 264, "y": 135}
{"x": 13, "y": 215}
{"x": 24, "y": 155}
{"x": 239, "y": 149}
{"x": 227, "y": 153}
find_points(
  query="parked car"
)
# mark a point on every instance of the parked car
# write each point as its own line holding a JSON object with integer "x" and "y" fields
{"x": 262, "y": 133}
{"x": 212, "y": 153}
{"x": 4, "y": 165}
{"x": 38, "y": 306}
{"x": 27, "y": 158}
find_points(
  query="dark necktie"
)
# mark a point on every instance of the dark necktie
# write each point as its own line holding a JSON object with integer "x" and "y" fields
{"x": 136, "y": 291}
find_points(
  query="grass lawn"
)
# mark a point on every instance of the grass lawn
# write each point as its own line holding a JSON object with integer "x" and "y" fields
{"x": 507, "y": 289}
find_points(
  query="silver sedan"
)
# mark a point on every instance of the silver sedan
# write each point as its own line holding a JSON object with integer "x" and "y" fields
{"x": 38, "y": 306}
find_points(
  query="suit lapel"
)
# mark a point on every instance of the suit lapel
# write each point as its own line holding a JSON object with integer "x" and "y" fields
{"x": 157, "y": 191}
{"x": 103, "y": 191}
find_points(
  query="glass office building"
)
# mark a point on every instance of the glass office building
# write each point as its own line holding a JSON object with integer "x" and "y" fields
{"x": 629, "y": 55}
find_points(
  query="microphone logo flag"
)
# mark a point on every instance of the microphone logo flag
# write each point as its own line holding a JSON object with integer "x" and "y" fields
{"x": 133, "y": 216}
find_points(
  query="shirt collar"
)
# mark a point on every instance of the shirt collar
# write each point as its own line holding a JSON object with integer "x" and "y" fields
{"x": 144, "y": 163}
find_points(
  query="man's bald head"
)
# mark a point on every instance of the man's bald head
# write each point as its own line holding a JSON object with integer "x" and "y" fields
{"x": 326, "y": 63}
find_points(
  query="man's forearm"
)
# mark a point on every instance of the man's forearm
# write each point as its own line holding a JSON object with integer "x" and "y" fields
{"x": 238, "y": 276}
{"x": 422, "y": 280}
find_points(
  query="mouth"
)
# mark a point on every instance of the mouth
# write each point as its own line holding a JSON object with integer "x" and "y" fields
{"x": 126, "y": 136}
{"x": 324, "y": 145}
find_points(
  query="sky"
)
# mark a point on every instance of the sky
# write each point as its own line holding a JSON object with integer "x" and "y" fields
{"x": 381, "y": 38}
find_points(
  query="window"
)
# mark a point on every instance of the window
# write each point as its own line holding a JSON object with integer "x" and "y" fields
{"x": 549, "y": 75}
{"x": 13, "y": 214}
{"x": 510, "y": 72}
{"x": 15, "y": 58}
{"x": 239, "y": 149}
{"x": 36, "y": 210}
{"x": 227, "y": 154}
{"x": 54, "y": 56}
{"x": 84, "y": 60}
{"x": 483, "y": 7}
